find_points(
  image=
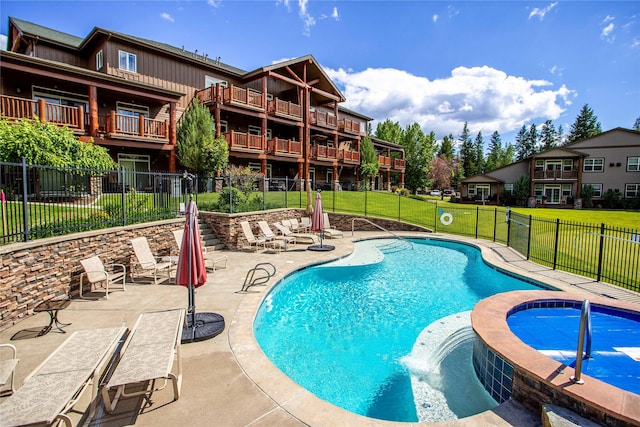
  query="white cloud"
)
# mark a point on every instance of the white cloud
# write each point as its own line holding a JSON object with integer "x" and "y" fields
{"x": 434, "y": 18}
{"x": 609, "y": 18}
{"x": 540, "y": 13}
{"x": 335, "y": 15}
{"x": 167, "y": 17}
{"x": 307, "y": 19}
{"x": 452, "y": 11}
{"x": 607, "y": 31}
{"x": 556, "y": 70}
{"x": 3, "y": 42}
{"x": 635, "y": 43}
{"x": 213, "y": 3}
{"x": 487, "y": 98}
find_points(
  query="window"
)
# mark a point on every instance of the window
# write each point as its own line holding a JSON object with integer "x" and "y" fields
{"x": 472, "y": 189}
{"x": 567, "y": 165}
{"x": 539, "y": 165}
{"x": 632, "y": 190}
{"x": 538, "y": 190}
{"x": 255, "y": 130}
{"x": 566, "y": 190}
{"x": 633, "y": 164}
{"x": 212, "y": 81}
{"x": 223, "y": 126}
{"x": 597, "y": 189}
{"x": 99, "y": 60}
{"x": 508, "y": 188}
{"x": 594, "y": 165}
{"x": 127, "y": 61}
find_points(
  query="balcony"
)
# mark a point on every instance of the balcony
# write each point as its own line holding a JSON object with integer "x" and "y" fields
{"x": 240, "y": 141}
{"x": 284, "y": 147}
{"x": 324, "y": 119}
{"x": 14, "y": 109}
{"x": 240, "y": 97}
{"x": 322, "y": 152}
{"x": 134, "y": 127}
{"x": 349, "y": 157}
{"x": 349, "y": 126}
{"x": 555, "y": 174}
{"x": 384, "y": 162}
{"x": 398, "y": 164}
{"x": 288, "y": 110}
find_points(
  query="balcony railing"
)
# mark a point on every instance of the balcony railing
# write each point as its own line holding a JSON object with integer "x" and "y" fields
{"x": 384, "y": 162}
{"x": 208, "y": 95}
{"x": 555, "y": 174}
{"x": 398, "y": 164}
{"x": 13, "y": 108}
{"x": 244, "y": 141}
{"x": 281, "y": 108}
{"x": 137, "y": 126}
{"x": 321, "y": 118}
{"x": 349, "y": 126}
{"x": 324, "y": 152}
{"x": 349, "y": 156}
{"x": 248, "y": 98}
{"x": 284, "y": 147}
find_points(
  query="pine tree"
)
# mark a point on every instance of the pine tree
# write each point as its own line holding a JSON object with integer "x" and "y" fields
{"x": 522, "y": 140}
{"x": 479, "y": 157}
{"x": 419, "y": 149}
{"x": 548, "y": 136}
{"x": 446, "y": 148}
{"x": 369, "y": 165}
{"x": 495, "y": 152}
{"x": 467, "y": 152}
{"x": 585, "y": 126}
{"x": 636, "y": 125}
{"x": 533, "y": 140}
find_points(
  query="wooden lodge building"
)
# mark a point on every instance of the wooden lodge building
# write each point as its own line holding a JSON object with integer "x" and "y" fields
{"x": 128, "y": 94}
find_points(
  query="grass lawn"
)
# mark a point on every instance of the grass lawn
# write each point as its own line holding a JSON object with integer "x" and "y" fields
{"x": 626, "y": 219}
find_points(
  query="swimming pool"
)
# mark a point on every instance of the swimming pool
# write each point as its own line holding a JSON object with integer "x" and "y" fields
{"x": 552, "y": 329}
{"x": 343, "y": 329}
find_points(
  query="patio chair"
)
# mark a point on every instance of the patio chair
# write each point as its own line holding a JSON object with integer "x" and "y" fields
{"x": 252, "y": 240}
{"x": 300, "y": 237}
{"x": 297, "y": 227}
{"x": 96, "y": 273}
{"x": 210, "y": 260}
{"x": 328, "y": 231}
{"x": 305, "y": 222}
{"x": 7, "y": 369}
{"x": 146, "y": 264}
{"x": 270, "y": 235}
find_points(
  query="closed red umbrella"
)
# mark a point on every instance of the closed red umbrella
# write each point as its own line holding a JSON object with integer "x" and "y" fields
{"x": 317, "y": 219}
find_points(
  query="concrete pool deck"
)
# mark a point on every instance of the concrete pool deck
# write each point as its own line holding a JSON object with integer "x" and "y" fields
{"x": 227, "y": 381}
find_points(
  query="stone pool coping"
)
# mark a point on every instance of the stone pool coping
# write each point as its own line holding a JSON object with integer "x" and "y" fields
{"x": 539, "y": 379}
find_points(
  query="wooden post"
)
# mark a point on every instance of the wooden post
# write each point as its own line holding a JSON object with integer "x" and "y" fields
{"x": 141, "y": 125}
{"x": 81, "y": 118}
{"x": 112, "y": 122}
{"x": 93, "y": 111}
{"x": 42, "y": 110}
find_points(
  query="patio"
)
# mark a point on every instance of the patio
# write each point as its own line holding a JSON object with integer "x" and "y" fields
{"x": 227, "y": 380}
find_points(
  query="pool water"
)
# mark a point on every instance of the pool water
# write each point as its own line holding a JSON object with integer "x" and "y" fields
{"x": 615, "y": 340}
{"x": 341, "y": 330}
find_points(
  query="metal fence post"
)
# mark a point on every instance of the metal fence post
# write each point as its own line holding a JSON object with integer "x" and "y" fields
{"x": 495, "y": 223}
{"x": 601, "y": 251}
{"x": 123, "y": 191}
{"x": 508, "y": 224}
{"x": 477, "y": 219}
{"x": 265, "y": 183}
{"x": 286, "y": 192}
{"x": 25, "y": 207}
{"x": 399, "y": 200}
{"x": 529, "y": 236}
{"x": 365, "y": 201}
{"x": 555, "y": 247}
{"x": 435, "y": 218}
{"x": 230, "y": 194}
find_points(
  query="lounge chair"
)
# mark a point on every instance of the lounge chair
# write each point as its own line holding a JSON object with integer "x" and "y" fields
{"x": 146, "y": 264}
{"x": 305, "y": 223}
{"x": 328, "y": 231}
{"x": 54, "y": 387}
{"x": 149, "y": 354}
{"x": 211, "y": 260}
{"x": 96, "y": 273}
{"x": 256, "y": 242}
{"x": 270, "y": 235}
{"x": 300, "y": 237}
{"x": 297, "y": 227}
{"x": 7, "y": 369}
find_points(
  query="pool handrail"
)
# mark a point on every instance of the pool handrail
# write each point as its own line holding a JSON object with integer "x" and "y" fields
{"x": 380, "y": 228}
{"x": 585, "y": 328}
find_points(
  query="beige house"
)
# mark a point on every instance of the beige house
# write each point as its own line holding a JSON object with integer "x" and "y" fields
{"x": 608, "y": 161}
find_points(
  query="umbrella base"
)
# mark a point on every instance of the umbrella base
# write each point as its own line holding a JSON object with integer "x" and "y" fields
{"x": 320, "y": 248}
{"x": 207, "y": 326}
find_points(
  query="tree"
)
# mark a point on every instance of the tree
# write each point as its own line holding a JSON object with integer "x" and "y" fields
{"x": 49, "y": 145}
{"x": 636, "y": 124}
{"x": 585, "y": 126}
{"x": 495, "y": 152}
{"x": 198, "y": 149}
{"x": 369, "y": 165}
{"x": 479, "y": 156}
{"x": 467, "y": 152}
{"x": 522, "y": 144}
{"x": 534, "y": 137}
{"x": 419, "y": 149}
{"x": 508, "y": 155}
{"x": 548, "y": 136}
{"x": 440, "y": 172}
{"x": 446, "y": 148}
{"x": 521, "y": 190}
{"x": 390, "y": 131}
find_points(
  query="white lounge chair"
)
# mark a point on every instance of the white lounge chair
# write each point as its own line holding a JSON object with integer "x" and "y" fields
{"x": 297, "y": 227}
{"x": 96, "y": 273}
{"x": 55, "y": 386}
{"x": 270, "y": 235}
{"x": 211, "y": 260}
{"x": 7, "y": 368}
{"x": 252, "y": 240}
{"x": 149, "y": 354}
{"x": 300, "y": 237}
{"x": 328, "y": 231}
{"x": 146, "y": 264}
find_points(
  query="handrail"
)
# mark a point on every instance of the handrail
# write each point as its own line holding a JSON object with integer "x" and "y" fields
{"x": 380, "y": 228}
{"x": 585, "y": 327}
{"x": 261, "y": 280}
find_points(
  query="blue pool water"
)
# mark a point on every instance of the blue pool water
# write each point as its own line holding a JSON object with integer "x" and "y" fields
{"x": 342, "y": 330}
{"x": 615, "y": 345}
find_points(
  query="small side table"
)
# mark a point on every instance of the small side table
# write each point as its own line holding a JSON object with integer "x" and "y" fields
{"x": 52, "y": 307}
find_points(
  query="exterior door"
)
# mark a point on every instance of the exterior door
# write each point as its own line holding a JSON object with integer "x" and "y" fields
{"x": 553, "y": 193}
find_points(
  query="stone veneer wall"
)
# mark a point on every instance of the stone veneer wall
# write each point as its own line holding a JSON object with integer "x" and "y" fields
{"x": 42, "y": 269}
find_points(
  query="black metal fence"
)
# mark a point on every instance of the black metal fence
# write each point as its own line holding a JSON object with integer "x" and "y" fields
{"x": 42, "y": 201}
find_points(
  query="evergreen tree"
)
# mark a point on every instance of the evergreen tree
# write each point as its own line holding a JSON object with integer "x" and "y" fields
{"x": 562, "y": 138}
{"x": 533, "y": 140}
{"x": 446, "y": 148}
{"x": 508, "y": 154}
{"x": 479, "y": 146}
{"x": 419, "y": 149}
{"x": 585, "y": 126}
{"x": 369, "y": 165}
{"x": 548, "y": 136}
{"x": 198, "y": 149}
{"x": 467, "y": 152}
{"x": 495, "y": 152}
{"x": 390, "y": 131}
{"x": 522, "y": 140}
{"x": 636, "y": 125}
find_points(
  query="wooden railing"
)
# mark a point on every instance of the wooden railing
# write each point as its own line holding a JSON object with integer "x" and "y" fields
{"x": 13, "y": 108}
{"x": 284, "y": 146}
{"x": 279, "y": 107}
{"x": 398, "y": 164}
{"x": 321, "y": 118}
{"x": 244, "y": 141}
{"x": 555, "y": 174}
{"x": 246, "y": 97}
{"x": 122, "y": 124}
{"x": 207, "y": 96}
{"x": 349, "y": 156}
{"x": 349, "y": 126}
{"x": 384, "y": 161}
{"x": 324, "y": 152}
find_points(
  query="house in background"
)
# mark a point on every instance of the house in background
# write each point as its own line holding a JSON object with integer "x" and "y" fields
{"x": 608, "y": 161}
{"x": 128, "y": 94}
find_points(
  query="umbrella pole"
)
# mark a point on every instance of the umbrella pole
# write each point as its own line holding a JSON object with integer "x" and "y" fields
{"x": 192, "y": 306}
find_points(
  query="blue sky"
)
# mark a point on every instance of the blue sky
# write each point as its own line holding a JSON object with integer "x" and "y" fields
{"x": 496, "y": 65}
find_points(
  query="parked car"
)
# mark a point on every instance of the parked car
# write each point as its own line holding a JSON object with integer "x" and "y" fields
{"x": 449, "y": 192}
{"x": 435, "y": 193}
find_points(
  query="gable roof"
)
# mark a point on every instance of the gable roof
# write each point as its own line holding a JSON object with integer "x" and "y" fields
{"x": 36, "y": 31}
